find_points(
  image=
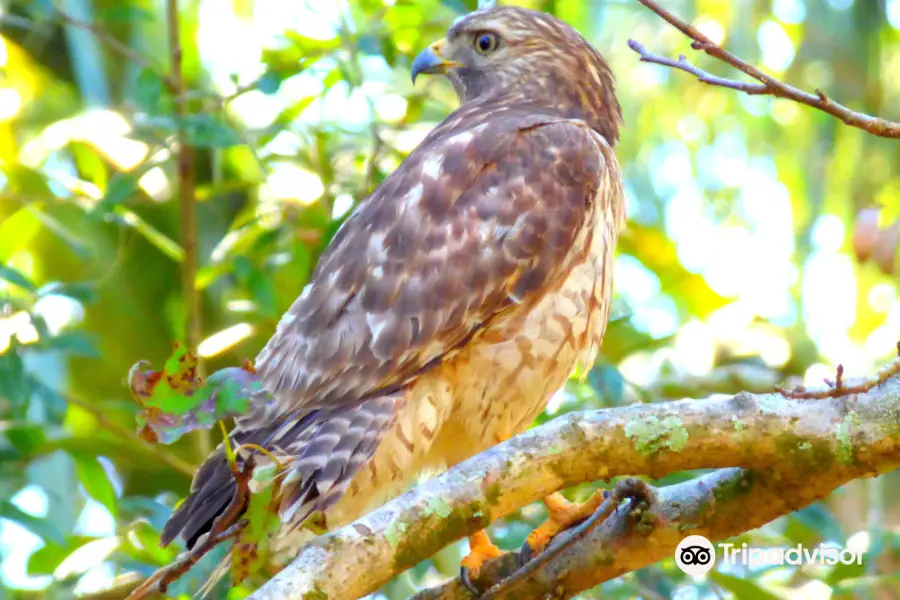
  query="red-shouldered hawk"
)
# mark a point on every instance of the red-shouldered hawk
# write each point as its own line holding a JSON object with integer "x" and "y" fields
{"x": 458, "y": 297}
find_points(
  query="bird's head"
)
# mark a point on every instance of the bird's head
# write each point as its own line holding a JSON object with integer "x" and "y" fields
{"x": 515, "y": 54}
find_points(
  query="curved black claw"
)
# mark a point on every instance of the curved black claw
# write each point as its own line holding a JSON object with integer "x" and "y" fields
{"x": 526, "y": 554}
{"x": 466, "y": 579}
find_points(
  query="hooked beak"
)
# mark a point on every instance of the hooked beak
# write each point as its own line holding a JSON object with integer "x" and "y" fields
{"x": 431, "y": 61}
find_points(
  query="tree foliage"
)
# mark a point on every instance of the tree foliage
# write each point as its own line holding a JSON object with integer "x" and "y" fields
{"x": 737, "y": 269}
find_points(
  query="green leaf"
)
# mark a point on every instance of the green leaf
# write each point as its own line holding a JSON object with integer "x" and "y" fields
{"x": 258, "y": 284}
{"x": 27, "y": 181}
{"x": 89, "y": 164}
{"x": 460, "y": 6}
{"x": 45, "y": 560}
{"x": 161, "y": 241}
{"x": 96, "y": 482}
{"x": 151, "y": 510}
{"x": 812, "y": 525}
{"x": 286, "y": 118}
{"x": 121, "y": 187}
{"x": 147, "y": 548}
{"x": 41, "y": 527}
{"x": 151, "y": 94}
{"x": 61, "y": 230}
{"x": 743, "y": 589}
{"x": 209, "y": 131}
{"x": 40, "y": 11}
{"x": 252, "y": 546}
{"x": 24, "y": 437}
{"x": 84, "y": 291}
{"x": 124, "y": 14}
{"x": 865, "y": 586}
{"x": 608, "y": 382}
{"x": 14, "y": 382}
{"x": 199, "y": 575}
{"x": 622, "y": 339}
{"x": 17, "y": 231}
{"x": 389, "y": 51}
{"x": 15, "y": 277}
{"x": 310, "y": 45}
{"x": 334, "y": 76}
{"x": 841, "y": 572}
{"x": 129, "y": 455}
{"x": 75, "y": 343}
{"x": 269, "y": 83}
{"x": 175, "y": 400}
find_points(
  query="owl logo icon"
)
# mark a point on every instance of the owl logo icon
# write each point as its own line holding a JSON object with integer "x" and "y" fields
{"x": 695, "y": 555}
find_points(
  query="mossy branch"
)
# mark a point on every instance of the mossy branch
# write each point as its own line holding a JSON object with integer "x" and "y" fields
{"x": 722, "y": 504}
{"x": 789, "y": 453}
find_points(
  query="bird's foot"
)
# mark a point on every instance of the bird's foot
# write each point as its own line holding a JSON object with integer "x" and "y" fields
{"x": 563, "y": 515}
{"x": 481, "y": 550}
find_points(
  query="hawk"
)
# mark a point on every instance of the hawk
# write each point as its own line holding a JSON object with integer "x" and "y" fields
{"x": 457, "y": 298}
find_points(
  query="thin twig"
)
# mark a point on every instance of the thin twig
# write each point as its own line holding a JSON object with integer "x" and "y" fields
{"x": 186, "y": 203}
{"x": 749, "y": 87}
{"x": 113, "y": 43}
{"x": 103, "y": 36}
{"x": 225, "y": 527}
{"x": 768, "y": 86}
{"x": 129, "y": 436}
{"x": 842, "y": 388}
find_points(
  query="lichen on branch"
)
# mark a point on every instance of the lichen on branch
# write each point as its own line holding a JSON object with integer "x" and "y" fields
{"x": 784, "y": 453}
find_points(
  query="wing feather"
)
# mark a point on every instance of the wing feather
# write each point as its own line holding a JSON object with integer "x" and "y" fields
{"x": 477, "y": 221}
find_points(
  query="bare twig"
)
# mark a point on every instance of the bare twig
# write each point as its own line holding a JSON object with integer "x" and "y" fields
{"x": 130, "y": 437}
{"x": 121, "y": 587}
{"x": 841, "y": 388}
{"x": 113, "y": 43}
{"x": 767, "y": 86}
{"x": 838, "y": 381}
{"x": 226, "y": 526}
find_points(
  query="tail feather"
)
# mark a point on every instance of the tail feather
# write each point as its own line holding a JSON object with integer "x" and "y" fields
{"x": 322, "y": 450}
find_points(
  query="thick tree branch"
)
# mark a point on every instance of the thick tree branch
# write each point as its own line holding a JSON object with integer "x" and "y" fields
{"x": 767, "y": 86}
{"x": 791, "y": 452}
{"x": 719, "y": 505}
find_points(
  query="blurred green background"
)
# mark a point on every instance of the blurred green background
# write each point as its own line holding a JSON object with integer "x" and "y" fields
{"x": 736, "y": 272}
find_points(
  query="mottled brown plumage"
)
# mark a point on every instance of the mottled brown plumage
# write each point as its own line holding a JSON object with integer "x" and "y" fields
{"x": 459, "y": 296}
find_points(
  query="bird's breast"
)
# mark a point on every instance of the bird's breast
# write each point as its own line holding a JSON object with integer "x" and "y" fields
{"x": 504, "y": 378}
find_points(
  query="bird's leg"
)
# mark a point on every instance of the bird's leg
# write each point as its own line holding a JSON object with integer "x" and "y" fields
{"x": 563, "y": 514}
{"x": 481, "y": 548}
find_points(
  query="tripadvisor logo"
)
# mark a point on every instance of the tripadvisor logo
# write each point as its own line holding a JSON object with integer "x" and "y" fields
{"x": 696, "y": 555}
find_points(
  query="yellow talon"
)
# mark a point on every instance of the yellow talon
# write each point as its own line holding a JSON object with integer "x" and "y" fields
{"x": 481, "y": 550}
{"x": 563, "y": 514}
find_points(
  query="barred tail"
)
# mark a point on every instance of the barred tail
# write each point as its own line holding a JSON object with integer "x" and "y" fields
{"x": 322, "y": 450}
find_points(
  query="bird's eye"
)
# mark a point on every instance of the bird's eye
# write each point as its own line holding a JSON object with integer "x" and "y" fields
{"x": 486, "y": 43}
